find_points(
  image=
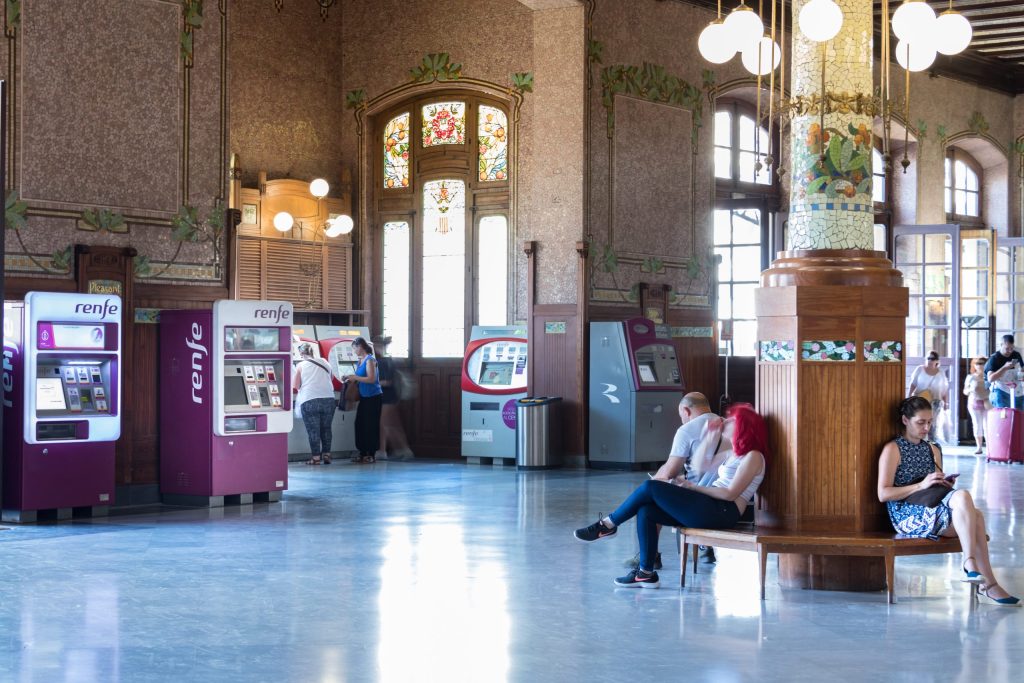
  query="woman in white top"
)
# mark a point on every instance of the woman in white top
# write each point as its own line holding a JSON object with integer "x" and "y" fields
{"x": 684, "y": 503}
{"x": 315, "y": 399}
{"x": 930, "y": 383}
{"x": 977, "y": 400}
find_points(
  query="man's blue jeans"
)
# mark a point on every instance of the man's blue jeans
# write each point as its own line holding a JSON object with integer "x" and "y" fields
{"x": 1000, "y": 398}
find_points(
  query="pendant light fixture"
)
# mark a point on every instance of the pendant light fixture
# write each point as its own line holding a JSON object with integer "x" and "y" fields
{"x": 953, "y": 32}
{"x": 744, "y": 27}
{"x": 913, "y": 21}
{"x": 714, "y": 42}
{"x": 821, "y": 20}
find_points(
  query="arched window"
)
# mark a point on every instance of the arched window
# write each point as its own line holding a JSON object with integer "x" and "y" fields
{"x": 877, "y": 177}
{"x": 442, "y": 201}
{"x": 963, "y": 187}
{"x": 744, "y": 208}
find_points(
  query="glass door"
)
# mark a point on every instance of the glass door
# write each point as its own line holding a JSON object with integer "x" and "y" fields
{"x": 1009, "y": 315}
{"x": 927, "y": 258}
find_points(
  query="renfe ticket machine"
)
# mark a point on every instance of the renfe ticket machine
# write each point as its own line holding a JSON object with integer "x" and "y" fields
{"x": 635, "y": 388}
{"x": 493, "y": 379}
{"x": 62, "y": 403}
{"x": 225, "y": 402}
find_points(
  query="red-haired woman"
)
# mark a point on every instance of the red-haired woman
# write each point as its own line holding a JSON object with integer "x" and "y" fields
{"x": 684, "y": 503}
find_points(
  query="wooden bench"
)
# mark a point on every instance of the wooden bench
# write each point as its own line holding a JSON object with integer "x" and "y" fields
{"x": 766, "y": 541}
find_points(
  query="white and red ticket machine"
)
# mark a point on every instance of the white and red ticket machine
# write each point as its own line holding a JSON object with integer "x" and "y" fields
{"x": 225, "y": 402}
{"x": 61, "y": 402}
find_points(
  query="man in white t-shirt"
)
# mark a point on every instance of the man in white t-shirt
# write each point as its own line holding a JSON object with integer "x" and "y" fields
{"x": 694, "y": 413}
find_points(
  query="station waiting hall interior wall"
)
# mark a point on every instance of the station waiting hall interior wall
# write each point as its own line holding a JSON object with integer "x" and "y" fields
{"x": 146, "y": 140}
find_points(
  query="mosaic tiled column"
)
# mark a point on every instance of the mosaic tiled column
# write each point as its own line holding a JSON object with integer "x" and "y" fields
{"x": 830, "y": 195}
{"x": 831, "y": 321}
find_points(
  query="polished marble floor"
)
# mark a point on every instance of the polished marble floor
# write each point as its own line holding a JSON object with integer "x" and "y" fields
{"x": 446, "y": 572}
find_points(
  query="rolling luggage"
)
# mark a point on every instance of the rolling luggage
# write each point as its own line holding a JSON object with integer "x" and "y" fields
{"x": 1004, "y": 435}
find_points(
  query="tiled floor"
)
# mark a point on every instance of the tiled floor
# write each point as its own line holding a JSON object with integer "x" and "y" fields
{"x": 446, "y": 572}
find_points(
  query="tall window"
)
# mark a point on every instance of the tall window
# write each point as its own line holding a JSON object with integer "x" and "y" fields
{"x": 442, "y": 201}
{"x": 1010, "y": 289}
{"x": 746, "y": 199}
{"x": 877, "y": 177}
{"x": 963, "y": 187}
{"x": 738, "y": 245}
{"x": 879, "y": 181}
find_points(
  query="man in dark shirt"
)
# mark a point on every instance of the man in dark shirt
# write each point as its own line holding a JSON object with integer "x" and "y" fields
{"x": 1002, "y": 371}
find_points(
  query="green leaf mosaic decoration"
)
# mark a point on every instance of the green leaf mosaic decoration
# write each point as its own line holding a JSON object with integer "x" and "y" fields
{"x": 522, "y": 82}
{"x": 355, "y": 98}
{"x": 436, "y": 66}
{"x": 103, "y": 220}
{"x": 595, "y": 50}
{"x": 653, "y": 83}
{"x": 15, "y": 211}
{"x": 192, "y": 12}
{"x": 61, "y": 259}
{"x": 883, "y": 351}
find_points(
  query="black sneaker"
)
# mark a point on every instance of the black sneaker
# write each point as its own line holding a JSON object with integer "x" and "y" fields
{"x": 595, "y": 531}
{"x": 634, "y": 562}
{"x": 640, "y": 578}
{"x": 707, "y": 554}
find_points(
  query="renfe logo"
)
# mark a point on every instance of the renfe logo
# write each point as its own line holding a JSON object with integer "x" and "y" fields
{"x": 102, "y": 309}
{"x": 8, "y": 376}
{"x": 276, "y": 314}
{"x": 198, "y": 351}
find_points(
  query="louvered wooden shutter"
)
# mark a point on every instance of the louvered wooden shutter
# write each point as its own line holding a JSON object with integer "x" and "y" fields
{"x": 268, "y": 268}
{"x": 249, "y": 268}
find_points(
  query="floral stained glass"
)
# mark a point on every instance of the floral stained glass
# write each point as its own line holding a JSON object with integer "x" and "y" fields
{"x": 444, "y": 123}
{"x": 444, "y": 267}
{"x": 396, "y": 152}
{"x": 493, "y": 136}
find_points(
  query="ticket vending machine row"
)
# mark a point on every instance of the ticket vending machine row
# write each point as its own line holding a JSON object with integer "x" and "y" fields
{"x": 493, "y": 379}
{"x": 225, "y": 402}
{"x": 635, "y": 387}
{"x": 61, "y": 402}
{"x": 336, "y": 347}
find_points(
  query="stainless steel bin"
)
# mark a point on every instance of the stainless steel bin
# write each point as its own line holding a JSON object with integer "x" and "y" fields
{"x": 537, "y": 436}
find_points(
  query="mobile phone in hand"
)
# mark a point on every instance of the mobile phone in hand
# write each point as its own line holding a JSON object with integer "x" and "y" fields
{"x": 951, "y": 477}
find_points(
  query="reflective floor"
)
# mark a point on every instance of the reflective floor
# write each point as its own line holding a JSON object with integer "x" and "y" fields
{"x": 446, "y": 572}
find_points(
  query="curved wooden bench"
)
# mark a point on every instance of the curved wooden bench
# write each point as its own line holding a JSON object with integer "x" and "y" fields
{"x": 766, "y": 541}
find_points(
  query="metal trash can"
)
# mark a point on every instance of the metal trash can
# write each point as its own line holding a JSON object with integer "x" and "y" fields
{"x": 537, "y": 435}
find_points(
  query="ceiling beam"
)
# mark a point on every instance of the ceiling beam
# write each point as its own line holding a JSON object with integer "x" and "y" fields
{"x": 996, "y": 49}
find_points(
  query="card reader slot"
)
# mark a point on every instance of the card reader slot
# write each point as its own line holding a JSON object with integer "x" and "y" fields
{"x": 481, "y": 405}
{"x": 56, "y": 431}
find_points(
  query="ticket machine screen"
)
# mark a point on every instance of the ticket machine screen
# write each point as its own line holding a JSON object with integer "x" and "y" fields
{"x": 647, "y": 372}
{"x": 72, "y": 387}
{"x": 346, "y": 369}
{"x": 251, "y": 339}
{"x": 656, "y": 365}
{"x": 496, "y": 374}
{"x": 253, "y": 384}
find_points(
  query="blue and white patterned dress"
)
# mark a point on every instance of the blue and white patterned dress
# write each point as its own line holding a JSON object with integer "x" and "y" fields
{"x": 916, "y": 461}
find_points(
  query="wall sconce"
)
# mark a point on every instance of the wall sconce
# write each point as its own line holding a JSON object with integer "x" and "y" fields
{"x": 332, "y": 227}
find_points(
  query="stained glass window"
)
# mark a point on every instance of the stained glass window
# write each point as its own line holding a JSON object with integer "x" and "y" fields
{"x": 444, "y": 123}
{"x": 493, "y": 135}
{"x": 395, "y": 287}
{"x": 444, "y": 268}
{"x": 396, "y": 152}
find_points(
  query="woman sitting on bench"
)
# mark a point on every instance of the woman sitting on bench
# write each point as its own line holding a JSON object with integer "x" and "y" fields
{"x": 908, "y": 467}
{"x": 683, "y": 503}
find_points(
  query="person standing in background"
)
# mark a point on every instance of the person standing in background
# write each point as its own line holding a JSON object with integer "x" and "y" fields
{"x": 1003, "y": 372}
{"x": 391, "y": 431}
{"x": 929, "y": 381}
{"x": 315, "y": 398}
{"x": 977, "y": 400}
{"x": 368, "y": 411}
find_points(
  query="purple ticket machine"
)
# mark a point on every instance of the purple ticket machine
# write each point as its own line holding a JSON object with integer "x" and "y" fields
{"x": 225, "y": 402}
{"x": 61, "y": 396}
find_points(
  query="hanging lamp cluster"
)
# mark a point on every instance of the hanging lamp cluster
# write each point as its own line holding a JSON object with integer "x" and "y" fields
{"x": 922, "y": 35}
{"x": 741, "y": 32}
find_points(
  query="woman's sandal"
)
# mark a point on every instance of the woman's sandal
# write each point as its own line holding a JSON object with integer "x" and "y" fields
{"x": 1008, "y": 601}
{"x": 366, "y": 459}
{"x": 326, "y": 459}
{"x": 972, "y": 576}
{"x": 315, "y": 460}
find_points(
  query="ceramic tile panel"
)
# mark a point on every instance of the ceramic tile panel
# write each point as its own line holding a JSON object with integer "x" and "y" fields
{"x": 828, "y": 350}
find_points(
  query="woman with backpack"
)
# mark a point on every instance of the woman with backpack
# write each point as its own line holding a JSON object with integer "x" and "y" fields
{"x": 315, "y": 402}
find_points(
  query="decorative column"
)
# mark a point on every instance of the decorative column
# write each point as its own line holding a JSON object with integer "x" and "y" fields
{"x": 831, "y": 318}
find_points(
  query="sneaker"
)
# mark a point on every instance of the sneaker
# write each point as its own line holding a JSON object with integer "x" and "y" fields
{"x": 595, "y": 531}
{"x": 640, "y": 578}
{"x": 707, "y": 554}
{"x": 634, "y": 562}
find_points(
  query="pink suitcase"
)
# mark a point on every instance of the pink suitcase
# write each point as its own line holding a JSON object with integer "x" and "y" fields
{"x": 1004, "y": 435}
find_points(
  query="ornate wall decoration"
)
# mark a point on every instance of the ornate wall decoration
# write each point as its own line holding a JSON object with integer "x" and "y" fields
{"x": 522, "y": 82}
{"x": 144, "y": 175}
{"x": 883, "y": 351}
{"x": 828, "y": 350}
{"x": 977, "y": 123}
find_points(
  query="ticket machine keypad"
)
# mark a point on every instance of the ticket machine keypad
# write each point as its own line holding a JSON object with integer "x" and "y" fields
{"x": 73, "y": 387}
{"x": 253, "y": 384}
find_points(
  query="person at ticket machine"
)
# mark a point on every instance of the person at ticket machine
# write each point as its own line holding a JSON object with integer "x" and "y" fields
{"x": 1003, "y": 372}
{"x": 369, "y": 406}
{"x": 315, "y": 401}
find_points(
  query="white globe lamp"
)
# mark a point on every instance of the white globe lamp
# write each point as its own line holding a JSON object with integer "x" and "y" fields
{"x": 319, "y": 188}
{"x": 341, "y": 225}
{"x": 744, "y": 28}
{"x": 820, "y": 20}
{"x": 762, "y": 57}
{"x": 952, "y": 32}
{"x": 283, "y": 221}
{"x": 915, "y": 56}
{"x": 913, "y": 21}
{"x": 714, "y": 43}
